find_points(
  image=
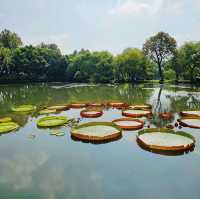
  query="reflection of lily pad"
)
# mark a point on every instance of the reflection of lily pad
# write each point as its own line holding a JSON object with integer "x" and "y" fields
{"x": 96, "y": 131}
{"x": 7, "y": 127}
{"x": 47, "y": 111}
{"x": 51, "y": 121}
{"x": 5, "y": 119}
{"x": 24, "y": 108}
{"x": 165, "y": 139}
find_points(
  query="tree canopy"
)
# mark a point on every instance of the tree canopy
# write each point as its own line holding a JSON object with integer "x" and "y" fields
{"x": 160, "y": 48}
{"x": 44, "y": 62}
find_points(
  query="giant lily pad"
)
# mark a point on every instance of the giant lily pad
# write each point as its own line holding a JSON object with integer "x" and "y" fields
{"x": 165, "y": 139}
{"x": 78, "y": 105}
{"x": 190, "y": 122}
{"x": 136, "y": 113}
{"x": 5, "y": 119}
{"x": 58, "y": 108}
{"x": 96, "y": 131}
{"x": 190, "y": 113}
{"x": 8, "y": 126}
{"x": 47, "y": 111}
{"x": 129, "y": 123}
{"x": 24, "y": 108}
{"x": 117, "y": 104}
{"x": 51, "y": 121}
{"x": 91, "y": 113}
{"x": 140, "y": 106}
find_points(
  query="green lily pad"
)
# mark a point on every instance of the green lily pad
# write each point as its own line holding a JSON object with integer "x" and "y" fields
{"x": 5, "y": 119}
{"x": 8, "y": 126}
{"x": 51, "y": 121}
{"x": 24, "y": 108}
{"x": 47, "y": 111}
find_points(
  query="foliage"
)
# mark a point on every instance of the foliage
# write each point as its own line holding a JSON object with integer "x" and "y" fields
{"x": 10, "y": 40}
{"x": 160, "y": 48}
{"x": 45, "y": 63}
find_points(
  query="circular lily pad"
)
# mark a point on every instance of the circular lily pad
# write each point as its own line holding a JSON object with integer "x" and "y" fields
{"x": 58, "y": 108}
{"x": 165, "y": 139}
{"x": 51, "y": 121}
{"x": 78, "y": 105}
{"x": 24, "y": 108}
{"x": 96, "y": 131}
{"x": 8, "y": 126}
{"x": 129, "y": 123}
{"x": 117, "y": 104}
{"x": 136, "y": 113}
{"x": 190, "y": 113}
{"x": 95, "y": 105}
{"x": 190, "y": 122}
{"x": 47, "y": 111}
{"x": 5, "y": 119}
{"x": 91, "y": 113}
{"x": 140, "y": 106}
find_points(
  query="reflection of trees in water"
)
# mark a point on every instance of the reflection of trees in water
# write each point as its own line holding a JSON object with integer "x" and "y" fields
{"x": 43, "y": 95}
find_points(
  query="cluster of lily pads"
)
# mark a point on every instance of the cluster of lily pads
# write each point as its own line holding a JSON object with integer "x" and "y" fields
{"x": 152, "y": 138}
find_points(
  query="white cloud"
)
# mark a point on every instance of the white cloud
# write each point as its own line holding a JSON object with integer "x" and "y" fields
{"x": 135, "y": 8}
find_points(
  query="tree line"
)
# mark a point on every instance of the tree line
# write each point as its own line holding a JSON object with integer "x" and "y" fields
{"x": 159, "y": 59}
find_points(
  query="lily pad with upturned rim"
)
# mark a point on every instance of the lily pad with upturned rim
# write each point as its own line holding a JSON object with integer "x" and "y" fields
{"x": 91, "y": 113}
{"x": 136, "y": 113}
{"x": 58, "y": 108}
{"x": 165, "y": 139}
{"x": 51, "y": 121}
{"x": 78, "y": 105}
{"x": 96, "y": 131}
{"x": 5, "y": 119}
{"x": 24, "y": 108}
{"x": 190, "y": 122}
{"x": 47, "y": 111}
{"x": 129, "y": 123}
{"x": 117, "y": 104}
{"x": 190, "y": 113}
{"x": 140, "y": 106}
{"x": 8, "y": 127}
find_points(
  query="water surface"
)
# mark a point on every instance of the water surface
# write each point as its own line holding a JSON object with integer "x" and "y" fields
{"x": 60, "y": 167}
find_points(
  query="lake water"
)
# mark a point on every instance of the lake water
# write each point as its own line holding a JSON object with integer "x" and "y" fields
{"x": 50, "y": 167}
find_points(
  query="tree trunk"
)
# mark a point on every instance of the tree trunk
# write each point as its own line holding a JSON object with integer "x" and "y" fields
{"x": 160, "y": 72}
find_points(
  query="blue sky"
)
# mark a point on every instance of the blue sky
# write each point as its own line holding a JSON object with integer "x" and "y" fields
{"x": 100, "y": 24}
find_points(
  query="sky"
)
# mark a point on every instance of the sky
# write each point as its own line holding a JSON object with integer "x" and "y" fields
{"x": 100, "y": 24}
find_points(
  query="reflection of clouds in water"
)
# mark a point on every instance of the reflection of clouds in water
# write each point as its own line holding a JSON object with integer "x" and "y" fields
{"x": 71, "y": 175}
{"x": 72, "y": 179}
{"x": 52, "y": 183}
{"x": 17, "y": 171}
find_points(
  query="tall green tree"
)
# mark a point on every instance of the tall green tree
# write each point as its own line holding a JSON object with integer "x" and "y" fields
{"x": 131, "y": 65}
{"x": 160, "y": 48}
{"x": 10, "y": 39}
{"x": 190, "y": 59}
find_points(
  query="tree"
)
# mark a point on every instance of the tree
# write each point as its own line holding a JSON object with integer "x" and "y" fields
{"x": 190, "y": 59}
{"x": 49, "y": 46}
{"x": 160, "y": 48}
{"x": 131, "y": 65}
{"x": 5, "y": 61}
{"x": 10, "y": 39}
